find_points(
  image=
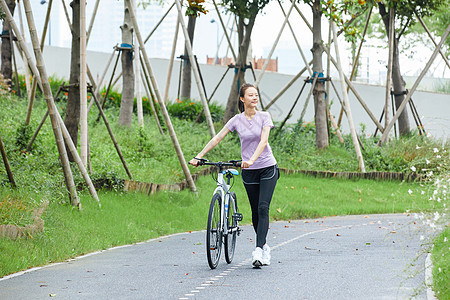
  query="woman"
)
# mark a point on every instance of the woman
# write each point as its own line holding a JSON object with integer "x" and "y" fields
{"x": 259, "y": 167}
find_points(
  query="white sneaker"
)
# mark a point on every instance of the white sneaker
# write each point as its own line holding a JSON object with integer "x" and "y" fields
{"x": 266, "y": 255}
{"x": 257, "y": 257}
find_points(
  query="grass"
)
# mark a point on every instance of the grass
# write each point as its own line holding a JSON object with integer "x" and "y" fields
{"x": 441, "y": 270}
{"x": 126, "y": 218}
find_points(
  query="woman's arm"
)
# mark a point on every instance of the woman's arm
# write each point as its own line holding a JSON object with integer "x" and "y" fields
{"x": 211, "y": 144}
{"x": 261, "y": 146}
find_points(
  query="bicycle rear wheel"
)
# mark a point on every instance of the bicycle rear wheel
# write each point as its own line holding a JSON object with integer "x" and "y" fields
{"x": 230, "y": 240}
{"x": 213, "y": 232}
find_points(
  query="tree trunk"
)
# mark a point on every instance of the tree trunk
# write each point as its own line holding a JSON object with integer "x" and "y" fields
{"x": 72, "y": 118}
{"x": 320, "y": 107}
{"x": 398, "y": 83}
{"x": 239, "y": 73}
{"x": 127, "y": 102}
{"x": 187, "y": 69}
{"x": 6, "y": 45}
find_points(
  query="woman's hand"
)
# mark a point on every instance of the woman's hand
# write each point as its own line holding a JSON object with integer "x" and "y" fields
{"x": 194, "y": 162}
{"x": 246, "y": 164}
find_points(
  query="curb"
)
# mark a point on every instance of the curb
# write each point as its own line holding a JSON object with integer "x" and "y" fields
{"x": 150, "y": 188}
{"x": 429, "y": 278}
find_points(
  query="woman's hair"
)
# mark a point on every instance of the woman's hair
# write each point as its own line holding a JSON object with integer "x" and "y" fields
{"x": 242, "y": 90}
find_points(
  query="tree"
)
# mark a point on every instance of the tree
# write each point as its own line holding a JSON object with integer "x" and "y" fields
{"x": 320, "y": 106}
{"x": 194, "y": 9}
{"x": 127, "y": 102}
{"x": 246, "y": 12}
{"x": 72, "y": 117}
{"x": 405, "y": 17}
{"x": 6, "y": 49}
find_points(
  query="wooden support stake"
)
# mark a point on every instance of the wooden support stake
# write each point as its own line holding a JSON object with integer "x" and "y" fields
{"x": 140, "y": 112}
{"x": 402, "y": 106}
{"x": 34, "y": 82}
{"x": 165, "y": 114}
{"x": 432, "y": 39}
{"x": 391, "y": 38}
{"x": 355, "y": 63}
{"x": 230, "y": 45}
{"x": 151, "y": 98}
{"x": 287, "y": 86}
{"x": 195, "y": 70}
{"x": 33, "y": 138}
{"x": 302, "y": 115}
{"x": 290, "y": 111}
{"x": 6, "y": 163}
{"x": 266, "y": 62}
{"x": 172, "y": 57}
{"x": 116, "y": 145}
{"x": 91, "y": 23}
{"x": 159, "y": 23}
{"x": 347, "y": 109}
{"x": 83, "y": 87}
{"x": 296, "y": 42}
{"x": 40, "y": 68}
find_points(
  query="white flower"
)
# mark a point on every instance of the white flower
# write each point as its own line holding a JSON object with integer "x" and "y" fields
{"x": 445, "y": 239}
{"x": 438, "y": 156}
{"x": 422, "y": 193}
{"x": 413, "y": 168}
{"x": 421, "y": 237}
{"x": 417, "y": 147}
{"x": 440, "y": 270}
{"x": 436, "y": 150}
{"x": 427, "y": 161}
{"x": 436, "y": 216}
{"x": 409, "y": 191}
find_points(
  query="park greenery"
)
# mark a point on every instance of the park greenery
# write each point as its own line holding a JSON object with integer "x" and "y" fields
{"x": 129, "y": 217}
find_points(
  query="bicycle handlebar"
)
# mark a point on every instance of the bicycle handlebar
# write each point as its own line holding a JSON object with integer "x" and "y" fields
{"x": 232, "y": 163}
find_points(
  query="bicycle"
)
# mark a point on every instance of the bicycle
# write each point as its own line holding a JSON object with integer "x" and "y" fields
{"x": 223, "y": 215}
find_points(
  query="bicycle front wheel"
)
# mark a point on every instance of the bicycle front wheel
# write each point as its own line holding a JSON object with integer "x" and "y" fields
{"x": 214, "y": 233}
{"x": 230, "y": 240}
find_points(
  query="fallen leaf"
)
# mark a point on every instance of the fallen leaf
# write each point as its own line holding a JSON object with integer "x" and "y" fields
{"x": 285, "y": 226}
{"x": 360, "y": 200}
{"x": 338, "y": 234}
{"x": 393, "y": 231}
{"x": 292, "y": 187}
{"x": 279, "y": 210}
{"x": 52, "y": 295}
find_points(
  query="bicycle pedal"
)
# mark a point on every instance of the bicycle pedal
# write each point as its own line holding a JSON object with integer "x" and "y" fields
{"x": 237, "y": 217}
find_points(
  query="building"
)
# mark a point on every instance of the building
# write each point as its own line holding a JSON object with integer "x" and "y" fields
{"x": 256, "y": 63}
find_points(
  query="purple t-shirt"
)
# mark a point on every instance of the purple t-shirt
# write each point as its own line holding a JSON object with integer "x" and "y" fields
{"x": 250, "y": 135}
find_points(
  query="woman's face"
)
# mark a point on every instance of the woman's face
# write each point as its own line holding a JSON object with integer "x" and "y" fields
{"x": 251, "y": 98}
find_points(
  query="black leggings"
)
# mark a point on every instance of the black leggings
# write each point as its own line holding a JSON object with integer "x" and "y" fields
{"x": 260, "y": 184}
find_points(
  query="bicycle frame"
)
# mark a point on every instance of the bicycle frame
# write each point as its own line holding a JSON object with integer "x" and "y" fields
{"x": 223, "y": 188}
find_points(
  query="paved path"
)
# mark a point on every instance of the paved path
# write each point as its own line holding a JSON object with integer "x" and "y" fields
{"x": 353, "y": 257}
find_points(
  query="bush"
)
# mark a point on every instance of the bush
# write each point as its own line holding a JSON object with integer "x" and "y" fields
{"x": 187, "y": 109}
